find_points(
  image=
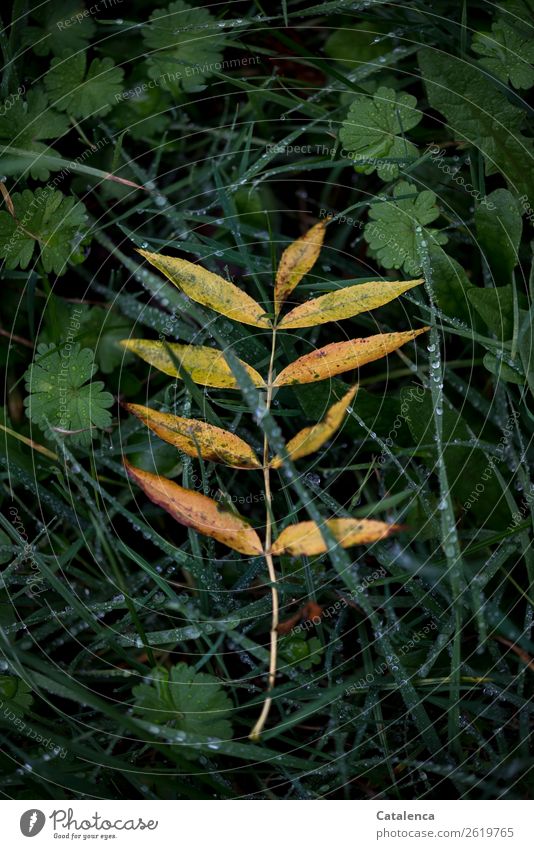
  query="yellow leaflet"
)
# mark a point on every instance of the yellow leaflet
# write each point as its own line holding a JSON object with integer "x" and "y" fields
{"x": 345, "y": 303}
{"x": 198, "y": 438}
{"x": 310, "y": 439}
{"x": 197, "y": 511}
{"x": 209, "y": 289}
{"x": 305, "y": 538}
{"x": 296, "y": 261}
{"x": 343, "y": 356}
{"x": 205, "y": 366}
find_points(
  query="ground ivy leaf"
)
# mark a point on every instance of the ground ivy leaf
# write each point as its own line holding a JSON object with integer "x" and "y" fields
{"x": 30, "y": 121}
{"x": 82, "y": 91}
{"x": 478, "y": 113}
{"x": 193, "y": 701}
{"x": 499, "y": 227}
{"x": 183, "y": 48}
{"x": 395, "y": 225}
{"x": 374, "y": 128}
{"x": 450, "y": 285}
{"x": 60, "y": 393}
{"x": 45, "y": 218}
{"x": 359, "y": 46}
{"x": 496, "y": 307}
{"x": 507, "y": 53}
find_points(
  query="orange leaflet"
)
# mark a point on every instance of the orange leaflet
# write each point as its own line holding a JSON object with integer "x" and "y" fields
{"x": 198, "y": 438}
{"x": 199, "y": 512}
{"x": 339, "y": 357}
{"x": 306, "y": 538}
{"x": 296, "y": 261}
{"x": 209, "y": 289}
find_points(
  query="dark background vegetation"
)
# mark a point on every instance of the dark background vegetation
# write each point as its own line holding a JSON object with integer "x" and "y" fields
{"x": 418, "y": 681}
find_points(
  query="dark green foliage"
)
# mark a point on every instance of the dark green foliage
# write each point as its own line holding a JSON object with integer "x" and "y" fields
{"x": 219, "y": 134}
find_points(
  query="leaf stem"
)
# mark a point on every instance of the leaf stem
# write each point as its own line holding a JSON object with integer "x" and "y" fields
{"x": 273, "y": 656}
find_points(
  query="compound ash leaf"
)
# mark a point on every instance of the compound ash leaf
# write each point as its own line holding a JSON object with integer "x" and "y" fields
{"x": 345, "y": 303}
{"x": 306, "y": 538}
{"x": 296, "y": 261}
{"x": 83, "y": 92}
{"x": 310, "y": 439}
{"x": 193, "y": 701}
{"x": 199, "y": 512}
{"x": 206, "y": 366}
{"x": 209, "y": 289}
{"x": 61, "y": 396}
{"x": 45, "y": 218}
{"x": 339, "y": 357}
{"x": 197, "y": 438}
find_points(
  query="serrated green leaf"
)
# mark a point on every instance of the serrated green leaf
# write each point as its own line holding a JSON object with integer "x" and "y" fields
{"x": 64, "y": 25}
{"x": 394, "y": 227}
{"x": 45, "y": 218}
{"x": 83, "y": 92}
{"x": 28, "y": 123}
{"x": 59, "y": 392}
{"x": 507, "y": 53}
{"x": 374, "y": 128}
{"x": 182, "y": 47}
{"x": 193, "y": 702}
